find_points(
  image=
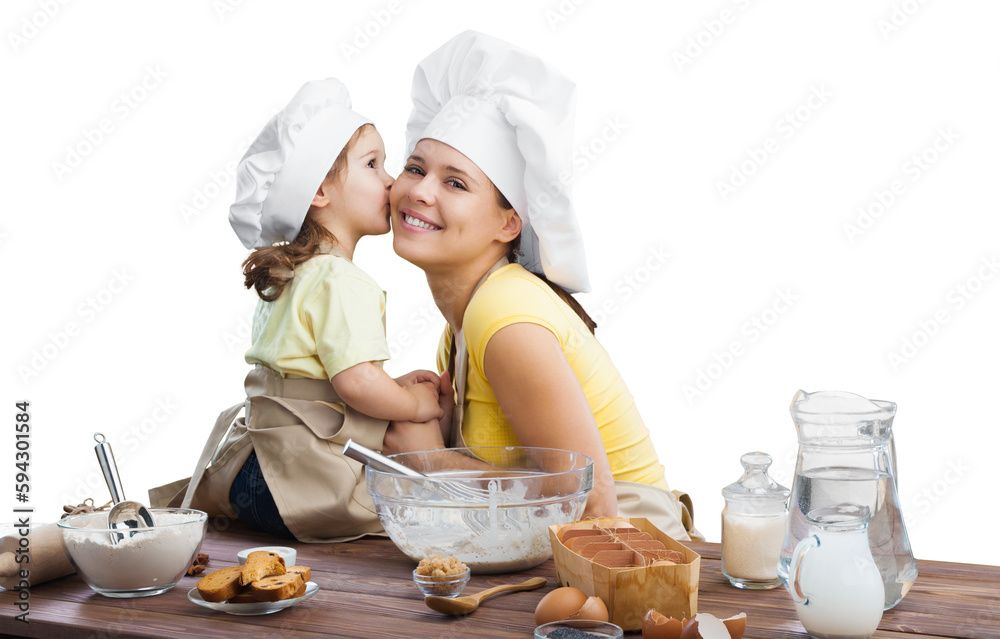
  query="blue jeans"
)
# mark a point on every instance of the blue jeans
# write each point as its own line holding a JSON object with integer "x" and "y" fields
{"x": 251, "y": 499}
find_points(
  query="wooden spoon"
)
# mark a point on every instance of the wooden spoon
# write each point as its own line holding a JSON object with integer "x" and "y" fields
{"x": 464, "y": 605}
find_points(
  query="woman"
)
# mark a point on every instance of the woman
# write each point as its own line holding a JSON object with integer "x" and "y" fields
{"x": 490, "y": 141}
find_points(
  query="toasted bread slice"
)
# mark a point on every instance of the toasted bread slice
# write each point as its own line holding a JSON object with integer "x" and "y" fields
{"x": 261, "y": 564}
{"x": 243, "y": 596}
{"x": 301, "y": 570}
{"x": 246, "y": 595}
{"x": 277, "y": 587}
{"x": 221, "y": 584}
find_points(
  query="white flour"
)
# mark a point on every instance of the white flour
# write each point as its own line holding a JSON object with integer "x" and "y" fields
{"x": 155, "y": 556}
{"x": 500, "y": 537}
{"x": 520, "y": 541}
{"x": 504, "y": 529}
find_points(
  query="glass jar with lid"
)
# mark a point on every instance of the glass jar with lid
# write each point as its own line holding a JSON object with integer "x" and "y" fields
{"x": 753, "y": 525}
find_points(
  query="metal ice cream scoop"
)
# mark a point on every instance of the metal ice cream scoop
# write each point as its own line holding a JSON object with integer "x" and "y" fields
{"x": 124, "y": 515}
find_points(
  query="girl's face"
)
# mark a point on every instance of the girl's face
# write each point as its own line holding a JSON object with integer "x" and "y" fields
{"x": 445, "y": 210}
{"x": 361, "y": 191}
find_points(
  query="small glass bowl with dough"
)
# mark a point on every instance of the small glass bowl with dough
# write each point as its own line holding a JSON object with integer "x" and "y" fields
{"x": 147, "y": 561}
{"x": 442, "y": 586}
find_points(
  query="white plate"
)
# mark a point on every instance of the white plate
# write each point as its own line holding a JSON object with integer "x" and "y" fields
{"x": 256, "y": 608}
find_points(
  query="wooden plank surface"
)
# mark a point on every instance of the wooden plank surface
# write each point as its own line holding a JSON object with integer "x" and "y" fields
{"x": 366, "y": 592}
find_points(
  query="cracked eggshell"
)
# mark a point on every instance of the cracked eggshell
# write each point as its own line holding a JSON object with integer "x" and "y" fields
{"x": 659, "y": 626}
{"x": 737, "y": 625}
{"x": 711, "y": 627}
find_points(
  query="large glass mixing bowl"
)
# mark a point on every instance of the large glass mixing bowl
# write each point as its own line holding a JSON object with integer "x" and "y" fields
{"x": 145, "y": 562}
{"x": 490, "y": 507}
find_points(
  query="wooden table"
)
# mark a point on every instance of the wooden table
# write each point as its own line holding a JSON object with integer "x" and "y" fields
{"x": 366, "y": 591}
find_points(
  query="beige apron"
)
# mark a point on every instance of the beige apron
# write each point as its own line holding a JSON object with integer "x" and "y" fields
{"x": 298, "y": 427}
{"x": 671, "y": 512}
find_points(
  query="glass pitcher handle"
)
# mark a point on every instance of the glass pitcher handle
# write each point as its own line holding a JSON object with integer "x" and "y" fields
{"x": 795, "y": 584}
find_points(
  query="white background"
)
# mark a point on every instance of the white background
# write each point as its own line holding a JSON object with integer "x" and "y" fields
{"x": 124, "y": 310}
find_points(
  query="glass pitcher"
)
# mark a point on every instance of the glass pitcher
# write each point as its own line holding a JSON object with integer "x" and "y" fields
{"x": 834, "y": 582}
{"x": 846, "y": 456}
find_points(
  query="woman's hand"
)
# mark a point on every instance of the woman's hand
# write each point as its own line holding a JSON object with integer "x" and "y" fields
{"x": 416, "y": 377}
{"x": 425, "y": 394}
{"x": 404, "y": 437}
{"x": 446, "y": 398}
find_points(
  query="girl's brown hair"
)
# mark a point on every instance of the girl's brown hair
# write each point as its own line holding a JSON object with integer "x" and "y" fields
{"x": 269, "y": 268}
{"x": 514, "y": 250}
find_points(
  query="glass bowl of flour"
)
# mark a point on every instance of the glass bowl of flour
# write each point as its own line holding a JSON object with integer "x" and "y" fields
{"x": 489, "y": 507}
{"x": 148, "y": 562}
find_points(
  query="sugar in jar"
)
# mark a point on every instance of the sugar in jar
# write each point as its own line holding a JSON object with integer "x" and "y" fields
{"x": 753, "y": 525}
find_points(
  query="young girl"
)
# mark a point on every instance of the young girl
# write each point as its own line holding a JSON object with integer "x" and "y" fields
{"x": 311, "y": 186}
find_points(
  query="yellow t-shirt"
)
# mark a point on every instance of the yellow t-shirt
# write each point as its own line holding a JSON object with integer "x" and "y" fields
{"x": 512, "y": 295}
{"x": 327, "y": 319}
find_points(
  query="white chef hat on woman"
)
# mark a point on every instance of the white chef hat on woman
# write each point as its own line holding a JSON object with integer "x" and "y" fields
{"x": 281, "y": 171}
{"x": 512, "y": 114}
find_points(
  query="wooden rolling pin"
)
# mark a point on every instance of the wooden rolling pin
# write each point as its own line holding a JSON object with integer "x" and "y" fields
{"x": 48, "y": 559}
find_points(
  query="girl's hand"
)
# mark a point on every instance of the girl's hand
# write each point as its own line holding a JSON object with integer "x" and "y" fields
{"x": 426, "y": 396}
{"x": 404, "y": 437}
{"x": 416, "y": 377}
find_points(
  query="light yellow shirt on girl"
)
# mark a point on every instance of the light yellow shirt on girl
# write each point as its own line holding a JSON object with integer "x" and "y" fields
{"x": 327, "y": 319}
{"x": 512, "y": 295}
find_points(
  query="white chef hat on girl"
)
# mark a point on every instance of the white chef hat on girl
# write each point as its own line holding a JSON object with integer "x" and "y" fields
{"x": 281, "y": 171}
{"x": 512, "y": 114}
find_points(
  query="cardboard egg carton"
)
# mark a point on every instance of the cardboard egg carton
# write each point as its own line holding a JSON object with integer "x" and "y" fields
{"x": 630, "y": 564}
{"x": 619, "y": 547}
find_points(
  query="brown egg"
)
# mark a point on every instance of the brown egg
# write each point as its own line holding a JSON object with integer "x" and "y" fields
{"x": 593, "y": 609}
{"x": 559, "y": 604}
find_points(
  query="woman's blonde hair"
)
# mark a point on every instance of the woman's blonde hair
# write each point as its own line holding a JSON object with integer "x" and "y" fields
{"x": 269, "y": 268}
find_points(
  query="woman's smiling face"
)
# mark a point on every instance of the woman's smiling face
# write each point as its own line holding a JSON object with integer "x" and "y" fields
{"x": 445, "y": 210}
